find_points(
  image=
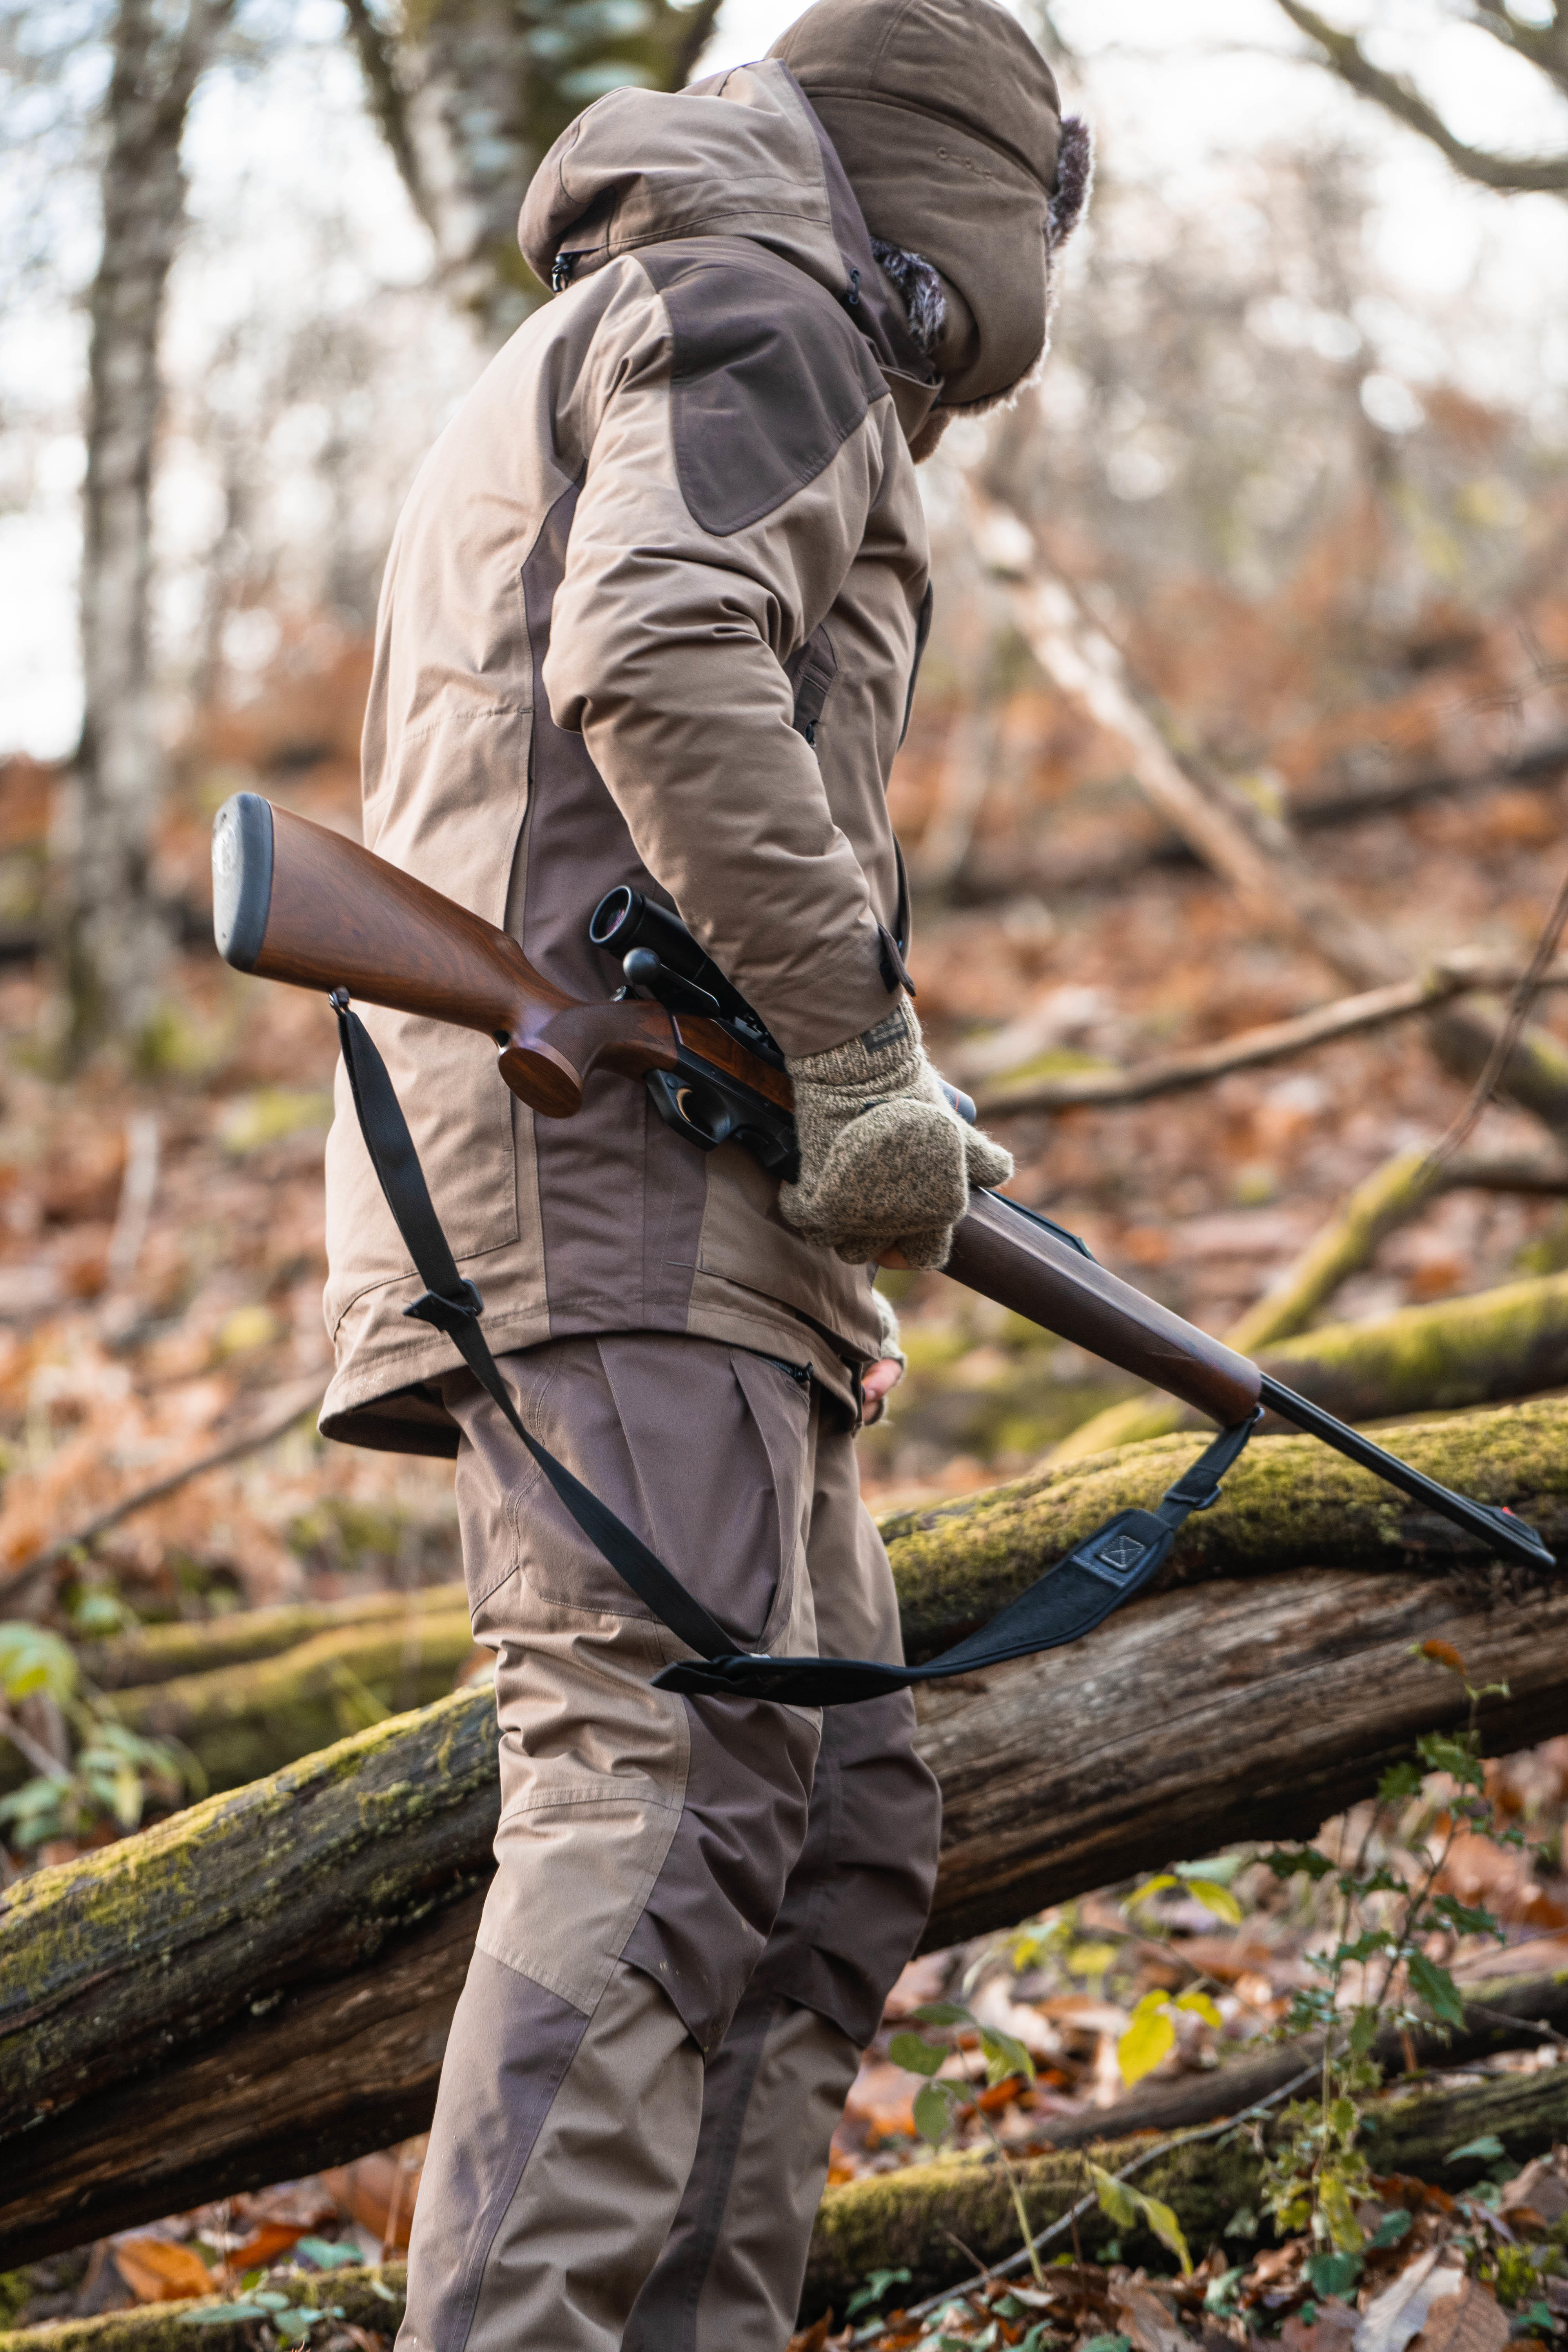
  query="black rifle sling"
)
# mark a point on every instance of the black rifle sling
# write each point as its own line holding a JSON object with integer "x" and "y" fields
{"x": 1107, "y": 1568}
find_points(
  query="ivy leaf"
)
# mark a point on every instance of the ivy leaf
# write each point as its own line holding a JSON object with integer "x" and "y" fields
{"x": 933, "y": 2110}
{"x": 1151, "y": 2036}
{"x": 1201, "y": 2005}
{"x": 1436, "y": 1988}
{"x": 1004, "y": 2057}
{"x": 1467, "y": 1920}
{"x": 1297, "y": 1861}
{"x": 1394, "y": 2225}
{"x": 1216, "y": 1898}
{"x": 1401, "y": 1779}
{"x": 918, "y": 2056}
{"x": 1334, "y": 2273}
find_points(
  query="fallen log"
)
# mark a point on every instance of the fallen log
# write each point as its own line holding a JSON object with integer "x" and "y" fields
{"x": 281, "y": 1961}
{"x": 240, "y": 1722}
{"x": 916, "y": 2218}
{"x": 159, "y": 1653}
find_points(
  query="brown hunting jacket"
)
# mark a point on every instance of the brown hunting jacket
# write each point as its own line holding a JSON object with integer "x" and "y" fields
{"x": 651, "y": 616}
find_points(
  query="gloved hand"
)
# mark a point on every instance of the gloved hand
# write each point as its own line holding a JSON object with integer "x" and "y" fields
{"x": 885, "y": 1162}
{"x": 881, "y": 1377}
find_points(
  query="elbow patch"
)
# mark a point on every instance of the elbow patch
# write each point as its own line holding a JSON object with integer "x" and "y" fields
{"x": 770, "y": 379}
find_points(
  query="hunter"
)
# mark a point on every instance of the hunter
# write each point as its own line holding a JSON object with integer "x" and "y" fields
{"x": 652, "y": 615}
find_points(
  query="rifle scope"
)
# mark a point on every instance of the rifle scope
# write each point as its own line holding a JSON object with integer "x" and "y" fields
{"x": 624, "y": 921}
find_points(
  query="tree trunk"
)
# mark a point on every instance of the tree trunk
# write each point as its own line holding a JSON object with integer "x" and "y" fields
{"x": 113, "y": 939}
{"x": 913, "y": 2218}
{"x": 282, "y": 1961}
{"x": 471, "y": 93}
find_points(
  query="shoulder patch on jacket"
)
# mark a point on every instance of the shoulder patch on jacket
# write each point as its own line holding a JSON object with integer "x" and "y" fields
{"x": 771, "y": 378}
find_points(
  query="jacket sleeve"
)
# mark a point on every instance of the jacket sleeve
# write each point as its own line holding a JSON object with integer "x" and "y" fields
{"x": 667, "y": 644}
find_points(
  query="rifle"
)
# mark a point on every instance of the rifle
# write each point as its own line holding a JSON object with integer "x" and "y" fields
{"x": 297, "y": 903}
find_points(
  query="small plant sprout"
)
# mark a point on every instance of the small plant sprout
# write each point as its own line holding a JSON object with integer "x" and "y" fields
{"x": 938, "y": 2103}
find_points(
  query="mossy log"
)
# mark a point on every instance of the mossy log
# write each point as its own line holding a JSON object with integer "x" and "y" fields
{"x": 262, "y": 1984}
{"x": 914, "y": 2219}
{"x": 243, "y": 1720}
{"x": 1458, "y": 1352}
{"x": 1443, "y": 1357}
{"x": 161, "y": 1653}
{"x": 240, "y": 1722}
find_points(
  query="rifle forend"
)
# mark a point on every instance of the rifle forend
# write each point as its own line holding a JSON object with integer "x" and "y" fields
{"x": 293, "y": 901}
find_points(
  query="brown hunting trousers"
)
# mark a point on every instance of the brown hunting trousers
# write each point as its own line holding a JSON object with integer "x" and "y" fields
{"x": 700, "y": 1904}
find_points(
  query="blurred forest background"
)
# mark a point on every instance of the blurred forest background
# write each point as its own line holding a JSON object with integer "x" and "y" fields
{"x": 1233, "y": 799}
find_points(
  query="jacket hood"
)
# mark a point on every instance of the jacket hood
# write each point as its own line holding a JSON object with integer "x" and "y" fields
{"x": 946, "y": 119}
{"x": 640, "y": 167}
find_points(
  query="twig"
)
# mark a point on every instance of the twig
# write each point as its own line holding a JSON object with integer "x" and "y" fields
{"x": 138, "y": 1186}
{"x": 1529, "y": 984}
{"x": 1277, "y": 1041}
{"x": 237, "y": 1447}
{"x": 1068, "y": 2220}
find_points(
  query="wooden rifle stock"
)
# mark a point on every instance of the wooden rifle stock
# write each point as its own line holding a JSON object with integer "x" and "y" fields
{"x": 295, "y": 902}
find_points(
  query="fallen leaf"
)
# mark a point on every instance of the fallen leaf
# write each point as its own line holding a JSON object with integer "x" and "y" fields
{"x": 157, "y": 2272}
{"x": 1540, "y": 2189}
{"x": 1471, "y": 2320}
{"x": 272, "y": 2239}
{"x": 1333, "y": 2329}
{"x": 1148, "y": 2321}
{"x": 813, "y": 2338}
{"x": 1399, "y": 2313}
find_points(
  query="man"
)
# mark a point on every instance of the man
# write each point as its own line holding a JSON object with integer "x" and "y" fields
{"x": 652, "y": 615}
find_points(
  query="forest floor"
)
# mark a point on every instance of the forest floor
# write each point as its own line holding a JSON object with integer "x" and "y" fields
{"x": 160, "y": 1265}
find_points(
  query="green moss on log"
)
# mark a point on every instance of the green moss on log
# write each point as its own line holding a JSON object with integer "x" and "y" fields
{"x": 161, "y": 1654}
{"x": 911, "y": 2219}
{"x": 1290, "y": 1502}
{"x": 243, "y": 1721}
{"x": 168, "y": 2326}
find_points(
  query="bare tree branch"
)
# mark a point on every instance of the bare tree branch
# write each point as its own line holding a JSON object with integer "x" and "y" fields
{"x": 1512, "y": 175}
{"x": 1277, "y": 1041}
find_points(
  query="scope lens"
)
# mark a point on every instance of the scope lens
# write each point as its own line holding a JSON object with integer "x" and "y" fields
{"x": 611, "y": 912}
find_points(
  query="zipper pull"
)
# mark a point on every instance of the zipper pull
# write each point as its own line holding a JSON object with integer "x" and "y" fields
{"x": 561, "y": 273}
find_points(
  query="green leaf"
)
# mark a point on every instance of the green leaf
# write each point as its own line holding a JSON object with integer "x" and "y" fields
{"x": 1297, "y": 1861}
{"x": 1485, "y": 2150}
{"x": 933, "y": 2110}
{"x": 327, "y": 2254}
{"x": 1334, "y": 2273}
{"x": 1436, "y": 1988}
{"x": 1004, "y": 2057}
{"x": 942, "y": 2012}
{"x": 918, "y": 2056}
{"x": 1243, "y": 2223}
{"x": 221, "y": 2312}
{"x": 33, "y": 1659}
{"x": 1402, "y": 1779}
{"x": 1364, "y": 2032}
{"x": 1220, "y": 2292}
{"x": 1107, "y": 2344}
{"x": 1115, "y": 2199}
{"x": 271, "y": 2300}
{"x": 1168, "y": 2229}
{"x": 1202, "y": 2005}
{"x": 380, "y": 2287}
{"x": 1150, "y": 2037}
{"x": 1151, "y": 1886}
{"x": 1039, "y": 2336}
{"x": 1092, "y": 1960}
{"x": 1394, "y": 2225}
{"x": 1467, "y": 1920}
{"x": 874, "y": 2289}
{"x": 1216, "y": 1899}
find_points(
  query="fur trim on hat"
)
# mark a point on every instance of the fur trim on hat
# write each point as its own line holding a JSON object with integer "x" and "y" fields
{"x": 920, "y": 287}
{"x": 1075, "y": 178}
